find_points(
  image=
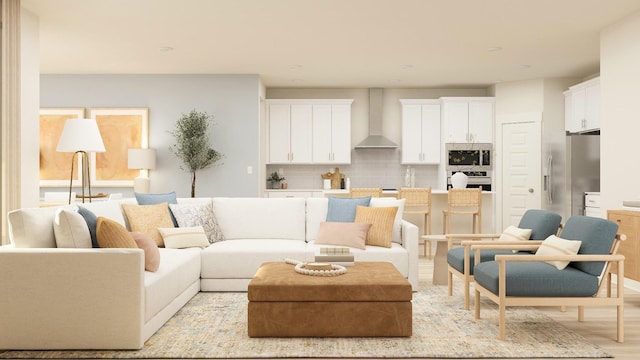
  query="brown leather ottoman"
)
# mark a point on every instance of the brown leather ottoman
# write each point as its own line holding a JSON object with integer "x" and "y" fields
{"x": 371, "y": 299}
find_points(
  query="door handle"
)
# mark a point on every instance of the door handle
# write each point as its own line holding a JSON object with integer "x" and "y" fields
{"x": 531, "y": 190}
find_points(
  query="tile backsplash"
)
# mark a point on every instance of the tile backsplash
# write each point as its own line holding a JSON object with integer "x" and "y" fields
{"x": 368, "y": 168}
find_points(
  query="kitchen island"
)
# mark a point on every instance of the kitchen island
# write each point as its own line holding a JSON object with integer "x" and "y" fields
{"x": 459, "y": 224}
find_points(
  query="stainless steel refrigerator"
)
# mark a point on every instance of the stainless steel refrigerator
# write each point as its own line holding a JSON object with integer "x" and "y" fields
{"x": 583, "y": 170}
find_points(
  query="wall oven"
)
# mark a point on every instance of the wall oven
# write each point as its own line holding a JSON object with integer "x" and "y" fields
{"x": 476, "y": 179}
{"x": 468, "y": 157}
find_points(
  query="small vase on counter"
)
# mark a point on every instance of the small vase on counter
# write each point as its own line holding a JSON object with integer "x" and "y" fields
{"x": 459, "y": 180}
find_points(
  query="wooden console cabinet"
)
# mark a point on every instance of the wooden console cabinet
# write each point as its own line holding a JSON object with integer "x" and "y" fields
{"x": 628, "y": 224}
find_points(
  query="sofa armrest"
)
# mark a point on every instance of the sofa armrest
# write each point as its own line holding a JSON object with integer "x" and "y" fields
{"x": 409, "y": 235}
{"x": 71, "y": 298}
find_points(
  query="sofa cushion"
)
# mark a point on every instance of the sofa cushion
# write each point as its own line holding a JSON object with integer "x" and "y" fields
{"x": 179, "y": 269}
{"x": 381, "y": 220}
{"x": 109, "y": 209}
{"x": 261, "y": 218}
{"x": 554, "y": 245}
{"x": 343, "y": 234}
{"x": 148, "y": 218}
{"x": 344, "y": 209}
{"x": 248, "y": 255}
{"x": 316, "y": 208}
{"x": 70, "y": 229}
{"x": 184, "y": 237}
{"x": 92, "y": 221}
{"x": 32, "y": 227}
{"x": 397, "y": 223}
{"x": 112, "y": 234}
{"x": 190, "y": 215}
{"x": 152, "y": 199}
{"x": 151, "y": 252}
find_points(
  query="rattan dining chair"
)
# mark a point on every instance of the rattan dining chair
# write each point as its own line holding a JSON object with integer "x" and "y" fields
{"x": 418, "y": 202}
{"x": 466, "y": 201}
{"x": 362, "y": 192}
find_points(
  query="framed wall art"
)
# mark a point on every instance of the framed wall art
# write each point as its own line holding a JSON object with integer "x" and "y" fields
{"x": 55, "y": 167}
{"x": 121, "y": 129}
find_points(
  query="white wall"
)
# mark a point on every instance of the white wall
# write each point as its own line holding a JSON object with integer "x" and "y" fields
{"x": 233, "y": 100}
{"x": 29, "y": 99}
{"x": 620, "y": 112}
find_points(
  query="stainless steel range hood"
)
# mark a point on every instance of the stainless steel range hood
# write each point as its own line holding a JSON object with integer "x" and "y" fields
{"x": 375, "y": 140}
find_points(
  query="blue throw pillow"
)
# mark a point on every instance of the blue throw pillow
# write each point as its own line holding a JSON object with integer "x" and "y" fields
{"x": 344, "y": 209}
{"x": 92, "y": 221}
{"x": 152, "y": 199}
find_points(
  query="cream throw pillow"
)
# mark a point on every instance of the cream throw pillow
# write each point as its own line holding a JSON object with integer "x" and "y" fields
{"x": 343, "y": 234}
{"x": 148, "y": 218}
{"x": 513, "y": 233}
{"x": 71, "y": 230}
{"x": 184, "y": 237}
{"x": 554, "y": 245}
{"x": 381, "y": 220}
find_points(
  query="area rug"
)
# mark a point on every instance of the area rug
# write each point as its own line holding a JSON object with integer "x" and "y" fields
{"x": 214, "y": 325}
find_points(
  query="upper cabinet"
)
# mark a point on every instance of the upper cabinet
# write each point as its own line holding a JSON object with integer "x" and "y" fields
{"x": 582, "y": 107}
{"x": 420, "y": 131}
{"x": 332, "y": 133}
{"x": 467, "y": 119}
{"x": 309, "y": 131}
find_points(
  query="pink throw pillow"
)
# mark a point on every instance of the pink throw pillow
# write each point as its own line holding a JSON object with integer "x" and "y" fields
{"x": 343, "y": 234}
{"x": 151, "y": 252}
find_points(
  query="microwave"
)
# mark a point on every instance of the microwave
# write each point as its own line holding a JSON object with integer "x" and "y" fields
{"x": 468, "y": 156}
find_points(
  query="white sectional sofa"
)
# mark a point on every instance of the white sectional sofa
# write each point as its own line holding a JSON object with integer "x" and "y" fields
{"x": 57, "y": 298}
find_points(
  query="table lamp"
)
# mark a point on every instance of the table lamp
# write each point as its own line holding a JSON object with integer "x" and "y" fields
{"x": 143, "y": 159}
{"x": 81, "y": 136}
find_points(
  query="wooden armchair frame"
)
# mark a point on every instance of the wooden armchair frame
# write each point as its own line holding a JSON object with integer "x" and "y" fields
{"x": 362, "y": 192}
{"x": 502, "y": 300}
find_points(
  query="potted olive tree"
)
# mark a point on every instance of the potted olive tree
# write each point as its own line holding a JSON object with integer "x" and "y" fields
{"x": 192, "y": 144}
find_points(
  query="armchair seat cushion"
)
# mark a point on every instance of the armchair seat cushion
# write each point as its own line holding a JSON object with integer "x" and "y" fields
{"x": 455, "y": 257}
{"x": 537, "y": 279}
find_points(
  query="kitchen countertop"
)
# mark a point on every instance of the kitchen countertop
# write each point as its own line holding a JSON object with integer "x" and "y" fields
{"x": 345, "y": 191}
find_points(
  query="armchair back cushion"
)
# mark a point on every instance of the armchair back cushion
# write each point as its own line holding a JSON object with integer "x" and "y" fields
{"x": 597, "y": 236}
{"x": 541, "y": 222}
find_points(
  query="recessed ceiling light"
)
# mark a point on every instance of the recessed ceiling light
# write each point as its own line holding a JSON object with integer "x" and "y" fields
{"x": 406, "y": 67}
{"x": 494, "y": 49}
{"x": 525, "y": 66}
{"x": 166, "y": 48}
{"x": 395, "y": 81}
{"x": 294, "y": 67}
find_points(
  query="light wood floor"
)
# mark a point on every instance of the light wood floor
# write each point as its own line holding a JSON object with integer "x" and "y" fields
{"x": 599, "y": 326}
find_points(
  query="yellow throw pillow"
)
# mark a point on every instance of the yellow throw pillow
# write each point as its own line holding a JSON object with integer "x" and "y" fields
{"x": 111, "y": 234}
{"x": 381, "y": 220}
{"x": 147, "y": 219}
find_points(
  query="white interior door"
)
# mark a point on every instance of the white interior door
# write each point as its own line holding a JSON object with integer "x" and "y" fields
{"x": 521, "y": 170}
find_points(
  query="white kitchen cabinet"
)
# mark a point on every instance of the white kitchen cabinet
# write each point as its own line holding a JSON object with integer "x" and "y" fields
{"x": 332, "y": 133}
{"x": 309, "y": 131}
{"x": 290, "y": 133}
{"x": 467, "y": 119}
{"x": 420, "y": 131}
{"x": 582, "y": 106}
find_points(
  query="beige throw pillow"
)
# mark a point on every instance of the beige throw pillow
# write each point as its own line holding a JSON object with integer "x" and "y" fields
{"x": 343, "y": 234}
{"x": 148, "y": 218}
{"x": 151, "y": 252}
{"x": 184, "y": 237}
{"x": 381, "y": 220}
{"x": 554, "y": 245}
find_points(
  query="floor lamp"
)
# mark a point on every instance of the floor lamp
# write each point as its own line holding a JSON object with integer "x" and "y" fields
{"x": 81, "y": 136}
{"x": 142, "y": 159}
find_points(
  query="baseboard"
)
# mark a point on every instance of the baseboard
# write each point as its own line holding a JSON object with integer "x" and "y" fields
{"x": 628, "y": 283}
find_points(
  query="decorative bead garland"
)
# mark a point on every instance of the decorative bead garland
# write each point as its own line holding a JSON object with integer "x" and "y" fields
{"x": 300, "y": 269}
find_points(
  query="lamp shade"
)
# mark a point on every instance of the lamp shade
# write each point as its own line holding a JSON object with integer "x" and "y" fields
{"x": 142, "y": 158}
{"x": 80, "y": 135}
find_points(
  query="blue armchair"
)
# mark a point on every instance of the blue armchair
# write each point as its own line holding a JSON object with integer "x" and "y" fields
{"x": 530, "y": 280}
{"x": 460, "y": 260}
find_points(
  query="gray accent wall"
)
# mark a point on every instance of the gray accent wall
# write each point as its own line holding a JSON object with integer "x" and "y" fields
{"x": 233, "y": 100}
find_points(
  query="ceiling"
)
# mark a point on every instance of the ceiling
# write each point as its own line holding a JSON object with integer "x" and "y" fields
{"x": 329, "y": 43}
